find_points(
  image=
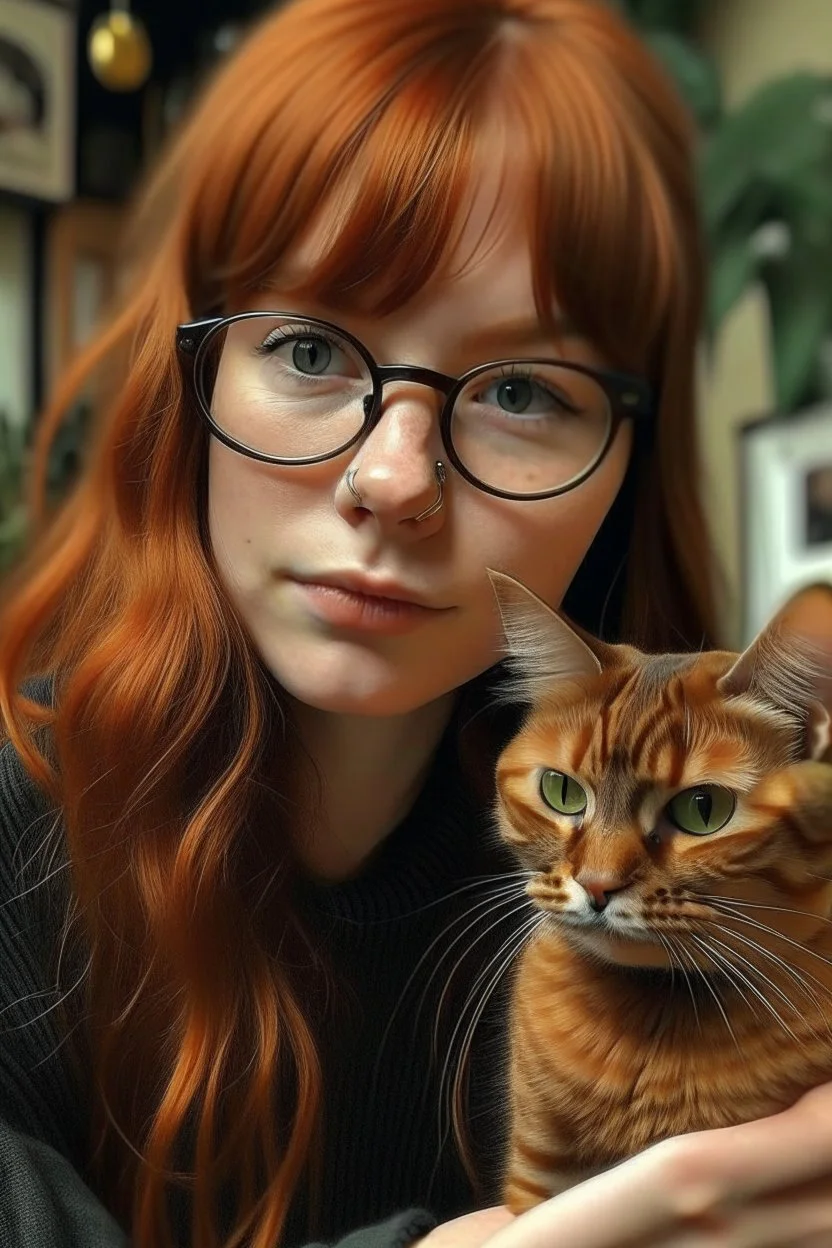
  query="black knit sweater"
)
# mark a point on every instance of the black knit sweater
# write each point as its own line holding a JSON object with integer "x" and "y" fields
{"x": 389, "y": 1168}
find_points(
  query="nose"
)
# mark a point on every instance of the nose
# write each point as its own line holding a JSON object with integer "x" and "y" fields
{"x": 600, "y": 886}
{"x": 395, "y": 466}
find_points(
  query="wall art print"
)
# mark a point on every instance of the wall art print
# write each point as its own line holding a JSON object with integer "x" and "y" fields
{"x": 37, "y": 99}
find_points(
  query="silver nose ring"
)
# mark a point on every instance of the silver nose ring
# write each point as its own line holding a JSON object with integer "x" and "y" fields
{"x": 440, "y": 474}
{"x": 350, "y": 478}
{"x": 439, "y": 470}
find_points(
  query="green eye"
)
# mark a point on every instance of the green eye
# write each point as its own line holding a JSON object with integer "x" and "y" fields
{"x": 703, "y": 809}
{"x": 562, "y": 793}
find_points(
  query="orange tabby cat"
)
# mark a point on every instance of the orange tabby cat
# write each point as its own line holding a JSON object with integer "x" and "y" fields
{"x": 675, "y": 815}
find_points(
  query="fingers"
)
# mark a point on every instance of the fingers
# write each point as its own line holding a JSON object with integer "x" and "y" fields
{"x": 732, "y": 1183}
{"x": 470, "y": 1230}
{"x": 802, "y": 1214}
{"x": 629, "y": 1205}
{"x": 716, "y": 1168}
{"x": 794, "y": 1219}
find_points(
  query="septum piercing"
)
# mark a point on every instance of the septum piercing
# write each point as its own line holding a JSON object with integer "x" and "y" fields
{"x": 440, "y": 474}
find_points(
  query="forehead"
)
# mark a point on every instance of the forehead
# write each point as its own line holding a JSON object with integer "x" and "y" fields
{"x": 489, "y": 251}
{"x": 665, "y": 717}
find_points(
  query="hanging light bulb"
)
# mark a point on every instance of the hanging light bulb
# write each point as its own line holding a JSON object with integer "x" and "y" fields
{"x": 119, "y": 49}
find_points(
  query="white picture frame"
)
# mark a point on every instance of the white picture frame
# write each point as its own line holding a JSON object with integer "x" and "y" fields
{"x": 37, "y": 99}
{"x": 786, "y": 466}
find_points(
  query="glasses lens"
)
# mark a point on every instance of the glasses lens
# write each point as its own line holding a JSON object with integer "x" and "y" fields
{"x": 527, "y": 427}
{"x": 284, "y": 387}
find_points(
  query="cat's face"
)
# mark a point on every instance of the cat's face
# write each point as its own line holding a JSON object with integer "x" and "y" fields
{"x": 642, "y": 786}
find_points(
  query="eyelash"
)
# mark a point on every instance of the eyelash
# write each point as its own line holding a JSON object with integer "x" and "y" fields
{"x": 278, "y": 336}
{"x": 516, "y": 370}
{"x": 297, "y": 332}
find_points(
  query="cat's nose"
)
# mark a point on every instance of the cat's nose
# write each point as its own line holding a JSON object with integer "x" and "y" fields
{"x": 599, "y": 887}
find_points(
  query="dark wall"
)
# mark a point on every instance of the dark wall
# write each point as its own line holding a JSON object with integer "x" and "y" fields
{"x": 110, "y": 124}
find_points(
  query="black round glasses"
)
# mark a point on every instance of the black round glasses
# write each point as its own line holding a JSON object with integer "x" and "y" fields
{"x": 287, "y": 389}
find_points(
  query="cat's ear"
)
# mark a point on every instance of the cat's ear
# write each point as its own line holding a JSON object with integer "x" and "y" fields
{"x": 789, "y": 664}
{"x": 541, "y": 647}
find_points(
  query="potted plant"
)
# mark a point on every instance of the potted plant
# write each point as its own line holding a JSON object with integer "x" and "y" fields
{"x": 64, "y": 462}
{"x": 766, "y": 188}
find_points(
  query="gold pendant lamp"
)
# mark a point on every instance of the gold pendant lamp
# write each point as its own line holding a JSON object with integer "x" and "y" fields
{"x": 119, "y": 49}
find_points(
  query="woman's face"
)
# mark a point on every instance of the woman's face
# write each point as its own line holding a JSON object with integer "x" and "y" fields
{"x": 278, "y": 531}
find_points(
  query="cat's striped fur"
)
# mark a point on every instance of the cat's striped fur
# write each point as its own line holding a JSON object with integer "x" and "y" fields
{"x": 701, "y": 994}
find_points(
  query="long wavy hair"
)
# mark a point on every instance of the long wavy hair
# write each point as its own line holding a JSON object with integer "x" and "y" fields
{"x": 165, "y": 724}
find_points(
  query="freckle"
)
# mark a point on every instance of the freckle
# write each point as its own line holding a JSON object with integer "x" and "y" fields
{"x": 661, "y": 893}
{"x": 556, "y": 881}
{"x": 677, "y": 892}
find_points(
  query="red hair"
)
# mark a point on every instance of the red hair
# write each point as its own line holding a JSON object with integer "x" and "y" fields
{"x": 166, "y": 722}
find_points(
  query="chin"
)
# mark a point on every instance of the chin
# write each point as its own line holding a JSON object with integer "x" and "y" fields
{"x": 360, "y": 685}
{"x": 620, "y": 950}
{"x": 346, "y": 678}
{"x": 377, "y": 704}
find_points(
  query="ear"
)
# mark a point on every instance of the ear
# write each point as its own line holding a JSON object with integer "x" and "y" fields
{"x": 789, "y": 664}
{"x": 542, "y": 648}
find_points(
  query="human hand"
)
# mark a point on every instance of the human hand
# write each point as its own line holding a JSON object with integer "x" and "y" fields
{"x": 469, "y": 1231}
{"x": 764, "y": 1184}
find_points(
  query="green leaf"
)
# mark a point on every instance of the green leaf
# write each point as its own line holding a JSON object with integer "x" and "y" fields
{"x": 807, "y": 200}
{"x": 733, "y": 267}
{"x": 693, "y": 73}
{"x": 680, "y": 16}
{"x": 776, "y": 133}
{"x": 13, "y": 533}
{"x": 800, "y": 303}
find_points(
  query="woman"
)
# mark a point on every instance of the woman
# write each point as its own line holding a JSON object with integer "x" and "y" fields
{"x": 268, "y": 641}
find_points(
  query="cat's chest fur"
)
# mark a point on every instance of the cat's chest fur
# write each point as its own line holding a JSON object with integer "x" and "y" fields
{"x": 617, "y": 1060}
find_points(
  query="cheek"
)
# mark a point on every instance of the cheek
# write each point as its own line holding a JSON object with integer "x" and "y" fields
{"x": 235, "y": 515}
{"x": 250, "y": 503}
{"x": 542, "y": 544}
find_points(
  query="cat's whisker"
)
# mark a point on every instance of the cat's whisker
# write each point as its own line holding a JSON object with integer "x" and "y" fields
{"x": 827, "y": 879}
{"x": 757, "y": 905}
{"x": 524, "y": 904}
{"x": 507, "y": 900}
{"x": 738, "y": 917}
{"x": 670, "y": 960}
{"x": 499, "y": 879}
{"x": 497, "y": 898}
{"x": 514, "y": 943}
{"x": 798, "y": 976}
{"x": 752, "y": 966}
{"x": 680, "y": 953}
{"x": 760, "y": 995}
{"x": 706, "y": 979}
{"x": 728, "y": 975}
{"x": 531, "y": 923}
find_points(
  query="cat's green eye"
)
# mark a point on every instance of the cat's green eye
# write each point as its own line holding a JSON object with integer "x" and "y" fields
{"x": 562, "y": 793}
{"x": 703, "y": 809}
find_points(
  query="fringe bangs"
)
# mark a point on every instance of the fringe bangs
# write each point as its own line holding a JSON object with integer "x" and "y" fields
{"x": 392, "y": 170}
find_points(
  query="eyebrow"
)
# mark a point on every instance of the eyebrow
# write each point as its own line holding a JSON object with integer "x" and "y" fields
{"x": 497, "y": 338}
{"x": 517, "y": 333}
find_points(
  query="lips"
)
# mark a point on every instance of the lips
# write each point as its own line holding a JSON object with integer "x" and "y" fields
{"x": 361, "y": 606}
{"x": 368, "y": 587}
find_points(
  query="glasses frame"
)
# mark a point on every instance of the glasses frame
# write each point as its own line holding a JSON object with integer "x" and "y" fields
{"x": 629, "y": 397}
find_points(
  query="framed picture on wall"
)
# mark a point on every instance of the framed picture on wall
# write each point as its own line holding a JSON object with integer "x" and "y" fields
{"x": 37, "y": 98}
{"x": 81, "y": 278}
{"x": 786, "y": 466}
